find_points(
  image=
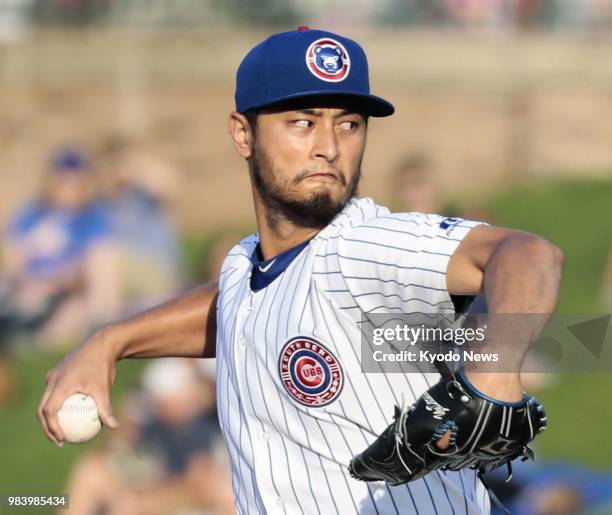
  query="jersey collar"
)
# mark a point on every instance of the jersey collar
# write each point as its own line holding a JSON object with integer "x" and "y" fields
{"x": 266, "y": 270}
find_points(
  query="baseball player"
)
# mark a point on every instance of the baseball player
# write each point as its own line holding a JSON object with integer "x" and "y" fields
{"x": 307, "y": 430}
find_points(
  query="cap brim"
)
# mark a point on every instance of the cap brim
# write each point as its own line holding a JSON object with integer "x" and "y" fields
{"x": 369, "y": 104}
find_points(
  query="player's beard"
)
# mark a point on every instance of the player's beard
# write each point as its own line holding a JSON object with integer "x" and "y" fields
{"x": 314, "y": 211}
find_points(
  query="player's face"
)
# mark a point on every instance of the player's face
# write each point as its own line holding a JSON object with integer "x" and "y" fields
{"x": 307, "y": 162}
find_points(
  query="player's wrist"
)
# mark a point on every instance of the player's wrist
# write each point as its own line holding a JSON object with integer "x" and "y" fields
{"x": 504, "y": 387}
{"x": 111, "y": 341}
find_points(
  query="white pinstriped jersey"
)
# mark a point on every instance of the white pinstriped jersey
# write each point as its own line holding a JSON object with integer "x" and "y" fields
{"x": 293, "y": 402}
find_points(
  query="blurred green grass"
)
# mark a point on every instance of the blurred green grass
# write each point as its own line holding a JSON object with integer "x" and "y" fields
{"x": 576, "y": 215}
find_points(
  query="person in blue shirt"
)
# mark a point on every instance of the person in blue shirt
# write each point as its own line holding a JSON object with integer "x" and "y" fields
{"x": 140, "y": 189}
{"x": 60, "y": 265}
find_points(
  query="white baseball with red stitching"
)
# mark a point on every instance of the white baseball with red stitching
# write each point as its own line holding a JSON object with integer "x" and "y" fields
{"x": 79, "y": 418}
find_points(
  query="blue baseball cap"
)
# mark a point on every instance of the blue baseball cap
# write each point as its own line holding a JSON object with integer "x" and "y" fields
{"x": 306, "y": 63}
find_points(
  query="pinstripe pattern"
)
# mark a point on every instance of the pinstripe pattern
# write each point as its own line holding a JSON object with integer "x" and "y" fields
{"x": 290, "y": 457}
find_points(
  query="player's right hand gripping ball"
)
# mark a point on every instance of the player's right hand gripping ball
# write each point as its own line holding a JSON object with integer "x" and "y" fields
{"x": 78, "y": 418}
{"x": 484, "y": 434}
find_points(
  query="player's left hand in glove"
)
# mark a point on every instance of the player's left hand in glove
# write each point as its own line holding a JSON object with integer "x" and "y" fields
{"x": 484, "y": 434}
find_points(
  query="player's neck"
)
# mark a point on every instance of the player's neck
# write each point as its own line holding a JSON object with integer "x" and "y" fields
{"x": 278, "y": 234}
{"x": 274, "y": 241}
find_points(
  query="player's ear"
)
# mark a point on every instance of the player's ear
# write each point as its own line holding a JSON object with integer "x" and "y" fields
{"x": 242, "y": 134}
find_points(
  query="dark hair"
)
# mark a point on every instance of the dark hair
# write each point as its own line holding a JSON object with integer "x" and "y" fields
{"x": 251, "y": 116}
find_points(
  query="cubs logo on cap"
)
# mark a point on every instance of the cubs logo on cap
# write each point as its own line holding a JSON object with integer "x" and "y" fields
{"x": 304, "y": 63}
{"x": 328, "y": 60}
{"x": 310, "y": 373}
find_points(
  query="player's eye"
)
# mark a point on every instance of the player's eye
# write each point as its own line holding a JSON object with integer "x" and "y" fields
{"x": 305, "y": 124}
{"x": 349, "y": 125}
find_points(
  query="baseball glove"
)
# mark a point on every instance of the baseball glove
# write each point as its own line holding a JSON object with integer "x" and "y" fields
{"x": 484, "y": 434}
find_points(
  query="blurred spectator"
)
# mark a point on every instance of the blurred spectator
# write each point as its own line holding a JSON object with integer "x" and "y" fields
{"x": 167, "y": 458}
{"x": 599, "y": 16}
{"x": 527, "y": 12}
{"x": 414, "y": 186}
{"x": 60, "y": 269}
{"x": 470, "y": 12}
{"x": 139, "y": 191}
{"x": 540, "y": 488}
{"x": 14, "y": 22}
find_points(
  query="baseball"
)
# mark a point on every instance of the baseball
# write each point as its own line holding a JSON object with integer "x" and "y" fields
{"x": 78, "y": 418}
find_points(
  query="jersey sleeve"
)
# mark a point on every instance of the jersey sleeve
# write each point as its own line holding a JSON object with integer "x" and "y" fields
{"x": 99, "y": 227}
{"x": 397, "y": 263}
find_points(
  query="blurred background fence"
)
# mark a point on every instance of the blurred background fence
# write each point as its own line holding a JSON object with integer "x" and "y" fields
{"x": 504, "y": 112}
{"x": 526, "y": 85}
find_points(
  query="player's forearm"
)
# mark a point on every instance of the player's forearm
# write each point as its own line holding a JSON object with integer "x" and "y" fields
{"x": 522, "y": 279}
{"x": 185, "y": 326}
{"x": 523, "y": 275}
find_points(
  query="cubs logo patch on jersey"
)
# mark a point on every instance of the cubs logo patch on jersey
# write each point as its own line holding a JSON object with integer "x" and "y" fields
{"x": 328, "y": 60}
{"x": 310, "y": 373}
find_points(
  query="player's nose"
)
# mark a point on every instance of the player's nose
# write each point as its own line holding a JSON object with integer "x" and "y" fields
{"x": 325, "y": 144}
